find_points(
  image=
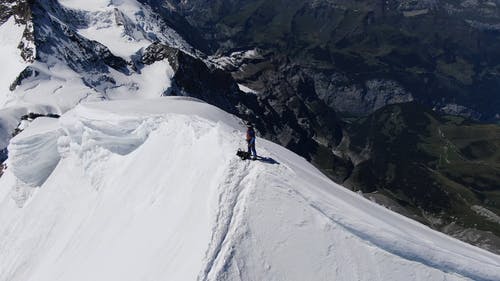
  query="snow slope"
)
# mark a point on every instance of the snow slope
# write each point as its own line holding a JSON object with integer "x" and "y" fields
{"x": 152, "y": 190}
{"x": 10, "y": 55}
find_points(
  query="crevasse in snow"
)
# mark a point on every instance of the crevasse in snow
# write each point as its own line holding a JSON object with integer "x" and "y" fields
{"x": 152, "y": 190}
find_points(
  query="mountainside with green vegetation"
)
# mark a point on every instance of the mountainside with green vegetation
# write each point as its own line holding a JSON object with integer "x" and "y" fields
{"x": 445, "y": 54}
{"x": 441, "y": 170}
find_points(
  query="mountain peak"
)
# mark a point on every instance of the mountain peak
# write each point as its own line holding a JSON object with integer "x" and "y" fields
{"x": 125, "y": 168}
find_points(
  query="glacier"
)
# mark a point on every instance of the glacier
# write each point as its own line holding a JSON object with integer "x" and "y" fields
{"x": 152, "y": 190}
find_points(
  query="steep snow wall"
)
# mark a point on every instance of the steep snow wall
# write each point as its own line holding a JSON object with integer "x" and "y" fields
{"x": 152, "y": 190}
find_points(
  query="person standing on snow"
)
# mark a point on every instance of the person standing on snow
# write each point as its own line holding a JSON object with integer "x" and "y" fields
{"x": 251, "y": 141}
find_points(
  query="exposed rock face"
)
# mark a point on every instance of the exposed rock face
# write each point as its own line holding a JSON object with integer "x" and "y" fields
{"x": 380, "y": 92}
{"x": 294, "y": 120}
{"x": 80, "y": 53}
{"x": 193, "y": 77}
{"x": 414, "y": 5}
{"x": 21, "y": 11}
{"x": 455, "y": 109}
{"x": 336, "y": 90}
{"x": 49, "y": 35}
{"x": 3, "y": 155}
{"x": 344, "y": 95}
{"x": 26, "y": 73}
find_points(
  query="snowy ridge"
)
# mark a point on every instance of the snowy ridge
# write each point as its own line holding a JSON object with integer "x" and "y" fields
{"x": 124, "y": 202}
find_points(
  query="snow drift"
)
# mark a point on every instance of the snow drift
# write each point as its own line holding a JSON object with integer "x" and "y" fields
{"x": 152, "y": 190}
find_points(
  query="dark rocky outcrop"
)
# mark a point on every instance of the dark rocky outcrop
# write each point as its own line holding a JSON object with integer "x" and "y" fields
{"x": 290, "y": 117}
{"x": 26, "y": 73}
{"x": 3, "y": 155}
{"x": 55, "y": 39}
{"x": 46, "y": 36}
{"x": 194, "y": 78}
{"x": 21, "y": 11}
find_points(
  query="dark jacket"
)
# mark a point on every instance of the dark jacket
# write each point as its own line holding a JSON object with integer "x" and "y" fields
{"x": 250, "y": 136}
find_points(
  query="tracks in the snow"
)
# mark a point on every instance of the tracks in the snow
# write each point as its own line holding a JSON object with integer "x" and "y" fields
{"x": 229, "y": 195}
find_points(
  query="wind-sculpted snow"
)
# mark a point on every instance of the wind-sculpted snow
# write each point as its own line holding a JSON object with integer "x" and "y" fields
{"x": 11, "y": 116}
{"x": 152, "y": 190}
{"x": 34, "y": 154}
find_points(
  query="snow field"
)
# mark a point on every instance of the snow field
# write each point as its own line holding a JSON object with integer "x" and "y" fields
{"x": 10, "y": 60}
{"x": 152, "y": 190}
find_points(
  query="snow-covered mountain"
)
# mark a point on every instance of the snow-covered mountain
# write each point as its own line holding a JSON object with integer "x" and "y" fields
{"x": 98, "y": 50}
{"x": 86, "y": 51}
{"x": 152, "y": 190}
{"x": 126, "y": 185}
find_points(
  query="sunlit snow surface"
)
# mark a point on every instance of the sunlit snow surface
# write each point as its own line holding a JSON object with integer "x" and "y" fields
{"x": 152, "y": 190}
{"x": 10, "y": 56}
{"x": 245, "y": 89}
{"x": 124, "y": 26}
